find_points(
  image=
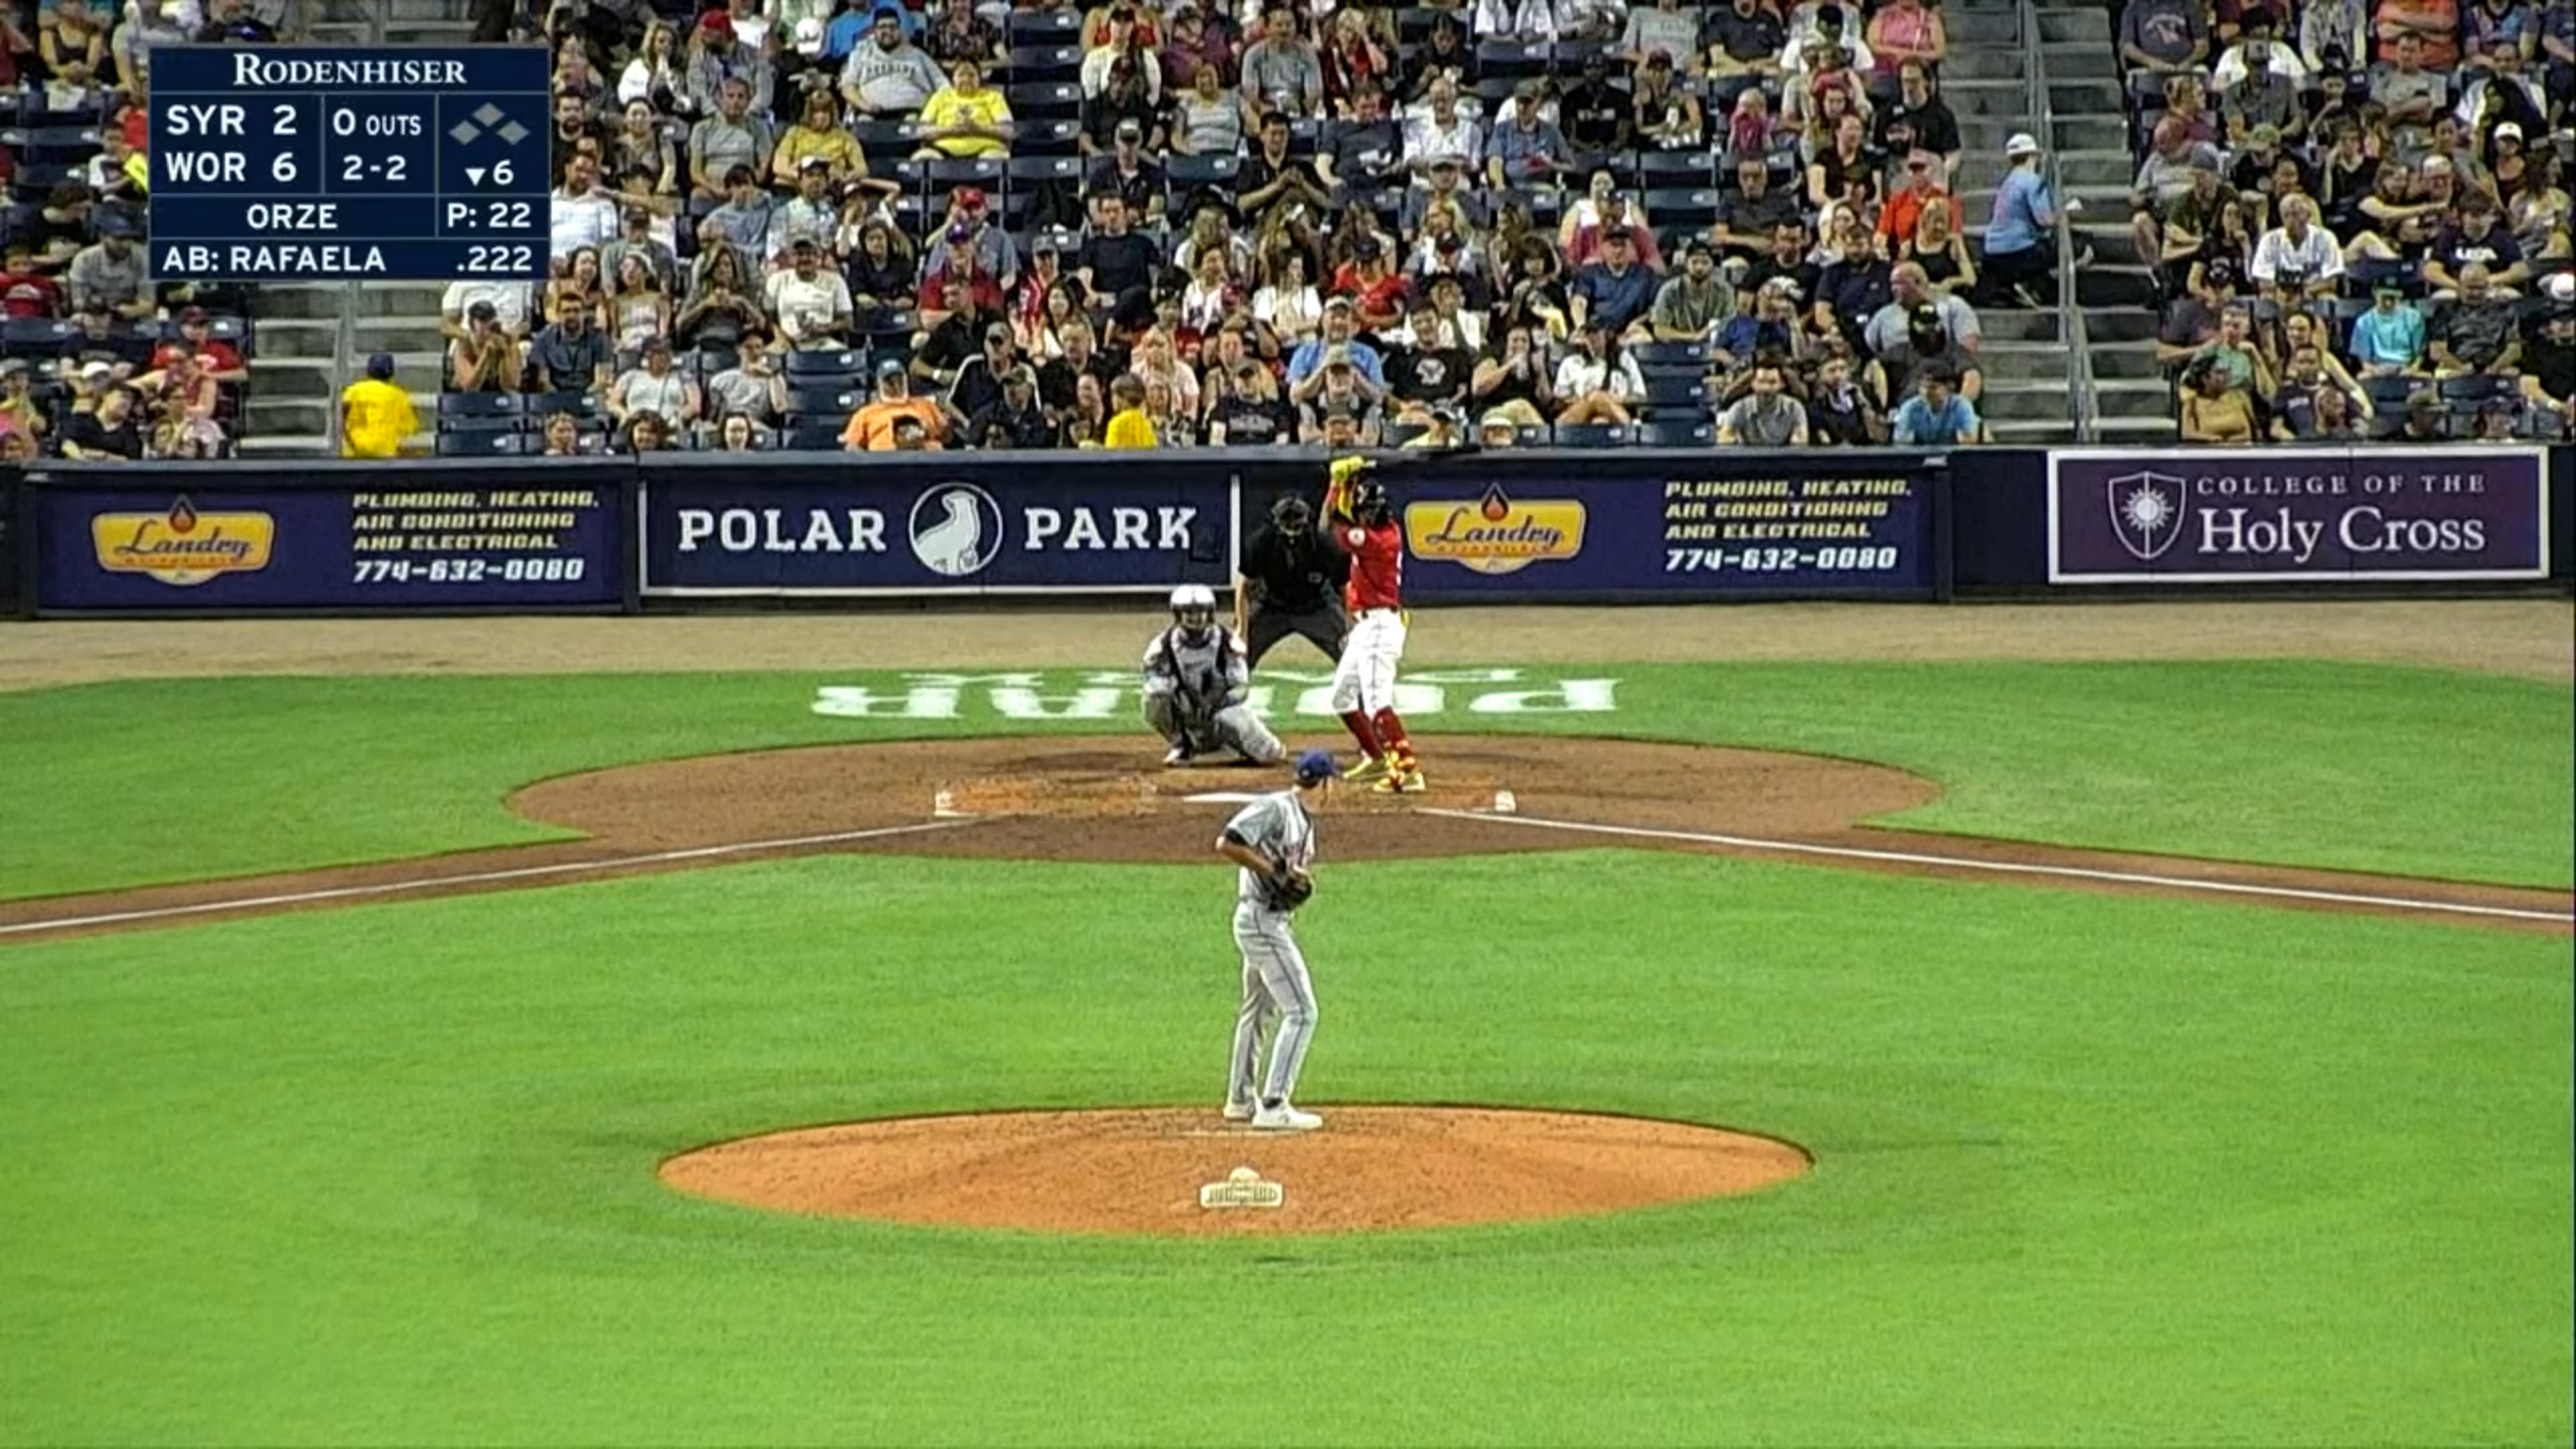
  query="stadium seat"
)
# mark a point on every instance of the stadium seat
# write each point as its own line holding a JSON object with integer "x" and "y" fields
{"x": 1413, "y": 26}
{"x": 1590, "y": 435}
{"x": 1046, "y": 100}
{"x": 1044, "y": 29}
{"x": 482, "y": 444}
{"x": 2475, "y": 389}
{"x": 1670, "y": 355}
{"x": 877, "y": 134}
{"x": 56, "y": 145}
{"x": 815, "y": 437}
{"x": 579, "y": 404}
{"x": 1048, "y": 138}
{"x": 1659, "y": 433}
{"x": 1510, "y": 60}
{"x": 1693, "y": 169}
{"x": 1665, "y": 390}
{"x": 1045, "y": 63}
{"x": 479, "y": 423}
{"x": 1202, "y": 170}
{"x": 807, "y": 368}
{"x": 1566, "y": 57}
{"x": 2390, "y": 393}
{"x": 1682, "y": 209}
{"x": 824, "y": 400}
{"x": 2363, "y": 275}
{"x": 1038, "y": 170}
{"x": 894, "y": 327}
{"x": 480, "y": 405}
{"x": 36, "y": 336}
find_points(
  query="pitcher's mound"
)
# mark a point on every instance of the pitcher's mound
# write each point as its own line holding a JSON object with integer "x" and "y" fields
{"x": 1140, "y": 1170}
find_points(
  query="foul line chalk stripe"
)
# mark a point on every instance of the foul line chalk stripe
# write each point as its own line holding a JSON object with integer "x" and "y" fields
{"x": 2001, "y": 867}
{"x": 483, "y": 877}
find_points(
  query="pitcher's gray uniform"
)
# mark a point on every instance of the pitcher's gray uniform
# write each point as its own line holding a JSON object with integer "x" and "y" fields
{"x": 1276, "y": 990}
{"x": 1195, "y": 679}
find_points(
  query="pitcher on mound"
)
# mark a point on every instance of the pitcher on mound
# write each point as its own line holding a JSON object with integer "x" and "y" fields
{"x": 1363, "y": 526}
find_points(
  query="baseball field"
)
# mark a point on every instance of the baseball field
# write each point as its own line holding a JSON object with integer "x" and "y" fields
{"x": 2160, "y": 1019}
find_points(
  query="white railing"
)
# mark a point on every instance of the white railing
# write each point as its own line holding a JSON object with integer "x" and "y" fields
{"x": 2085, "y": 408}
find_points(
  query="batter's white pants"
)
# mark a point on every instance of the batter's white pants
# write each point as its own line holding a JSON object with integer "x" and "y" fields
{"x": 1364, "y": 679}
{"x": 1276, "y": 991}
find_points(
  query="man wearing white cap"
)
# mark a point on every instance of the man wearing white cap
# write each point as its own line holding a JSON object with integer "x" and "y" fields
{"x": 2021, "y": 232}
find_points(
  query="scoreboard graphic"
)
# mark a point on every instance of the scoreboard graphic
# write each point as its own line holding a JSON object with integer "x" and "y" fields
{"x": 329, "y": 164}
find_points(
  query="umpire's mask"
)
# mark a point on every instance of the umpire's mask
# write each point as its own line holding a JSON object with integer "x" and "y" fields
{"x": 1292, "y": 515}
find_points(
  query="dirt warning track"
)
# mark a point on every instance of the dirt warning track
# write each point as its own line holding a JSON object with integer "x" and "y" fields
{"x": 1108, "y": 799}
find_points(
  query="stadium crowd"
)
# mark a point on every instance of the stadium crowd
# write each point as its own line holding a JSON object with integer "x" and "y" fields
{"x": 98, "y": 361}
{"x": 1251, "y": 223}
{"x": 2357, "y": 214}
{"x": 1034, "y": 226}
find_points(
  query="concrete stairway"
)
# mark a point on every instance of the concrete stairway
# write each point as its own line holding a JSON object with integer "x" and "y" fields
{"x": 1987, "y": 83}
{"x": 425, "y": 22}
{"x": 296, "y": 378}
{"x": 2090, "y": 137}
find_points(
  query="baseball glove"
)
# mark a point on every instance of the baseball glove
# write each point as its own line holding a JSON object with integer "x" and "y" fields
{"x": 1286, "y": 890}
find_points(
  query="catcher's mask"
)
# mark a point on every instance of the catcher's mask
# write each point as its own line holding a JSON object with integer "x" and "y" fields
{"x": 1292, "y": 515}
{"x": 1194, "y": 609}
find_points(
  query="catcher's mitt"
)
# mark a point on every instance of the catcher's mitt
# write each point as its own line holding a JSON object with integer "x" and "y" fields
{"x": 1286, "y": 890}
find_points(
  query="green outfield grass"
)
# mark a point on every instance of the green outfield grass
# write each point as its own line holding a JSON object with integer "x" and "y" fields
{"x": 2362, "y": 767}
{"x": 2090, "y": 1170}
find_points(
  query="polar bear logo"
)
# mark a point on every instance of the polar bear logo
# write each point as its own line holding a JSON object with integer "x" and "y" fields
{"x": 956, "y": 529}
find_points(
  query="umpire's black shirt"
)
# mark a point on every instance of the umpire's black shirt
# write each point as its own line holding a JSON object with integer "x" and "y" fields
{"x": 1297, "y": 575}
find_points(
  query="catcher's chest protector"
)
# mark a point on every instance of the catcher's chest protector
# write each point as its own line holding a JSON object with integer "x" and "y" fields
{"x": 1200, "y": 669}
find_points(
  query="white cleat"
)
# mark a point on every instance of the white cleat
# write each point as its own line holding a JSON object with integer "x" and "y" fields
{"x": 1238, "y": 1111}
{"x": 1284, "y": 1118}
{"x": 1176, "y": 756}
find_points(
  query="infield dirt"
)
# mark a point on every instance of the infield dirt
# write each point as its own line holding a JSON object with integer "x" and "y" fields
{"x": 1107, "y": 799}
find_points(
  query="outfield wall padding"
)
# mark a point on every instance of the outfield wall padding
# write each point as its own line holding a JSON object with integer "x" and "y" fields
{"x": 681, "y": 529}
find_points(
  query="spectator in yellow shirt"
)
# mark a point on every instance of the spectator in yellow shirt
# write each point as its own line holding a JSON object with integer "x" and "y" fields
{"x": 1128, "y": 425}
{"x": 375, "y": 413}
{"x": 966, "y": 117}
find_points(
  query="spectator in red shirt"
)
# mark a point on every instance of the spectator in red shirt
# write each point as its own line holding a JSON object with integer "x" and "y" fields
{"x": 959, "y": 265}
{"x": 1922, "y": 189}
{"x": 217, "y": 359}
{"x": 25, "y": 290}
{"x": 1373, "y": 286}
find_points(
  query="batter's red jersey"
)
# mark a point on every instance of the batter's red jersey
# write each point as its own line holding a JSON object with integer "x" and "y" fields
{"x": 1377, "y": 564}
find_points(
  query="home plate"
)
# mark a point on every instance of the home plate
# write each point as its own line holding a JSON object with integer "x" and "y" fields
{"x": 1222, "y": 797}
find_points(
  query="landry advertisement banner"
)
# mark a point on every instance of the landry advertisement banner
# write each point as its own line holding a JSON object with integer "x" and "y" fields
{"x": 890, "y": 529}
{"x": 2382, "y": 513}
{"x": 399, "y": 539}
{"x": 1824, "y": 524}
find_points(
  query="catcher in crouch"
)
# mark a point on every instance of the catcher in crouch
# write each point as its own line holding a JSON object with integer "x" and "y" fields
{"x": 1363, "y": 525}
{"x": 1195, "y": 675}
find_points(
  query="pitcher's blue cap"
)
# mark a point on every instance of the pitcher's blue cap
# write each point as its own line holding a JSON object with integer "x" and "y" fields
{"x": 1316, "y": 765}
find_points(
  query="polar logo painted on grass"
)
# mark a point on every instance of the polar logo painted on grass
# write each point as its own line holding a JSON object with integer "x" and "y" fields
{"x": 1275, "y": 694}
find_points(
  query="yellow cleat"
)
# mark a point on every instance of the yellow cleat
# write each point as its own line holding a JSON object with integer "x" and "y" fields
{"x": 1370, "y": 768}
{"x": 1403, "y": 779}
